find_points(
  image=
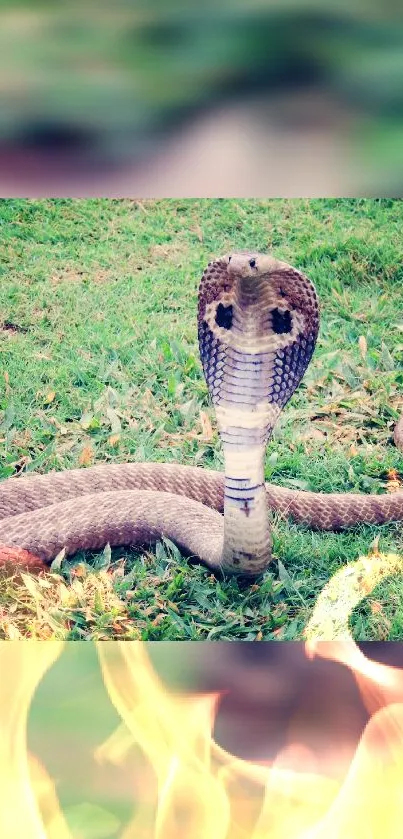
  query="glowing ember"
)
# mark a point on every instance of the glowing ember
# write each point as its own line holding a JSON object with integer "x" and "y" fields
{"x": 190, "y": 787}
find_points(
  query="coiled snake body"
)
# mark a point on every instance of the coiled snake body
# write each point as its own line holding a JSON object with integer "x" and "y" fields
{"x": 258, "y": 320}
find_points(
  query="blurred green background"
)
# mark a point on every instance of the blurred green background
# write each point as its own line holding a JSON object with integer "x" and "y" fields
{"x": 97, "y": 84}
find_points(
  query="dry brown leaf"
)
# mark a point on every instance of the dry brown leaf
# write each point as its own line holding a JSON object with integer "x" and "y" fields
{"x": 114, "y": 439}
{"x": 86, "y": 456}
{"x": 80, "y": 571}
{"x": 311, "y": 433}
{"x": 147, "y": 397}
{"x": 158, "y": 619}
{"x": 23, "y": 439}
{"x": 31, "y": 586}
{"x": 42, "y": 355}
{"x": 362, "y": 344}
{"x": 116, "y": 425}
{"x": 12, "y": 632}
{"x": 207, "y": 429}
{"x": 353, "y": 451}
{"x": 199, "y": 232}
{"x": 374, "y": 547}
{"x": 49, "y": 397}
{"x": 376, "y": 607}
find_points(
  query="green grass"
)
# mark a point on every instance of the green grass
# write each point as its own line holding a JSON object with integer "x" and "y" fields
{"x": 99, "y": 362}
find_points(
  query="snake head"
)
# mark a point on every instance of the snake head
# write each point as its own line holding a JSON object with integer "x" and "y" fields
{"x": 258, "y": 322}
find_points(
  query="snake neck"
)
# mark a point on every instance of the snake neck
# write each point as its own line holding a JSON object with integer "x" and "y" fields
{"x": 247, "y": 535}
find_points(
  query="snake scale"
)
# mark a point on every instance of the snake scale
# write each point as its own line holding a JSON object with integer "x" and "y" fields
{"x": 258, "y": 321}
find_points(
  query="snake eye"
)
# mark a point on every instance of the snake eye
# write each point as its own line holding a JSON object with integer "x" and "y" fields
{"x": 223, "y": 316}
{"x": 281, "y": 321}
{"x": 252, "y": 263}
{"x": 229, "y": 259}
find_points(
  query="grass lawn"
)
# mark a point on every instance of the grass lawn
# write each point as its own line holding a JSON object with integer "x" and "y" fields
{"x": 99, "y": 363}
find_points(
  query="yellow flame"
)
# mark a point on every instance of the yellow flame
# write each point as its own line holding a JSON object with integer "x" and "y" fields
{"x": 25, "y": 788}
{"x": 190, "y": 787}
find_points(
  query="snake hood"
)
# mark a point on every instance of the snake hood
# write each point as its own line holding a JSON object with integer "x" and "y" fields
{"x": 258, "y": 322}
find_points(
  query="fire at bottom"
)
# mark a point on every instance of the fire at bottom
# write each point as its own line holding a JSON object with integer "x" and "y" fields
{"x": 183, "y": 783}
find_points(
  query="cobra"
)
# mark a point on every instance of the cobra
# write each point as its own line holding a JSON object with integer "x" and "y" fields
{"x": 258, "y": 321}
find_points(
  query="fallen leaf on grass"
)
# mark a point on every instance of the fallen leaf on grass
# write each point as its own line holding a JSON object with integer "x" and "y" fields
{"x": 207, "y": 429}
{"x": 198, "y": 231}
{"x": 23, "y": 438}
{"x": 7, "y": 381}
{"x": 80, "y": 571}
{"x": 11, "y": 631}
{"x": 86, "y": 421}
{"x": 86, "y": 456}
{"x": 116, "y": 425}
{"x": 374, "y": 547}
{"x": 31, "y": 586}
{"x": 311, "y": 433}
{"x": 386, "y": 359}
{"x": 114, "y": 439}
{"x": 50, "y": 397}
{"x": 362, "y": 344}
{"x": 158, "y": 619}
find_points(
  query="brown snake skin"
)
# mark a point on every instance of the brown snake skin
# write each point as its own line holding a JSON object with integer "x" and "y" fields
{"x": 258, "y": 321}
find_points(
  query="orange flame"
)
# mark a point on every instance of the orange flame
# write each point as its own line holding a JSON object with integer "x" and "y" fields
{"x": 188, "y": 785}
